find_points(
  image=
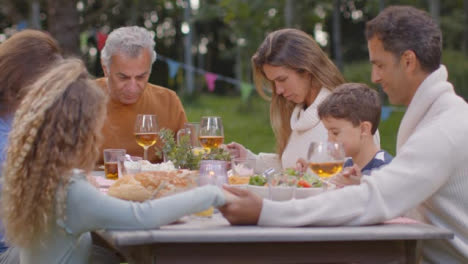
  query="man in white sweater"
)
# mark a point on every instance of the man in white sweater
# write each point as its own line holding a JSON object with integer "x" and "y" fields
{"x": 428, "y": 176}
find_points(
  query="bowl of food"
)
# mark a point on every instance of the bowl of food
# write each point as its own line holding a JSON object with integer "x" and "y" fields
{"x": 277, "y": 188}
{"x": 241, "y": 171}
{"x": 275, "y": 193}
{"x": 308, "y": 185}
{"x": 303, "y": 193}
{"x": 261, "y": 191}
{"x": 286, "y": 185}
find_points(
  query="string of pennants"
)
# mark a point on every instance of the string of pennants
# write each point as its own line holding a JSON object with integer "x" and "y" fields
{"x": 387, "y": 110}
{"x": 210, "y": 77}
{"x": 245, "y": 88}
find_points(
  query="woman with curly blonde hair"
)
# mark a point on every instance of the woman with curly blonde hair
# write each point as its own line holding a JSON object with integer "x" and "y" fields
{"x": 48, "y": 205}
{"x": 299, "y": 75}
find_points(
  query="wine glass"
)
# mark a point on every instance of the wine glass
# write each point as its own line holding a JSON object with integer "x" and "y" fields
{"x": 146, "y": 132}
{"x": 211, "y": 132}
{"x": 326, "y": 159}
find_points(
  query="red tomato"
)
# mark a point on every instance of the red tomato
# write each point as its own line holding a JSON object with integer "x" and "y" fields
{"x": 304, "y": 183}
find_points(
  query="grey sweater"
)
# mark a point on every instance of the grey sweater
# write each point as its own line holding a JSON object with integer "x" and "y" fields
{"x": 87, "y": 209}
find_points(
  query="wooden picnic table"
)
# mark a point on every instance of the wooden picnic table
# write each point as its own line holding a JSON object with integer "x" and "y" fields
{"x": 213, "y": 240}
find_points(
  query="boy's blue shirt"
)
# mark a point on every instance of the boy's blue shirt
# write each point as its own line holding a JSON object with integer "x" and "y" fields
{"x": 381, "y": 158}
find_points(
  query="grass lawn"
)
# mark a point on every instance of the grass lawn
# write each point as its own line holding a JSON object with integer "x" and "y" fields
{"x": 388, "y": 132}
{"x": 245, "y": 124}
{"x": 250, "y": 124}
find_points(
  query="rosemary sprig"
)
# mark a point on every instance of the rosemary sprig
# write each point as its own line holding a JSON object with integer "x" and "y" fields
{"x": 182, "y": 154}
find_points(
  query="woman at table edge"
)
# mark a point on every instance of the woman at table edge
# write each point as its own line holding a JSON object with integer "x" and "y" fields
{"x": 300, "y": 76}
{"x": 49, "y": 208}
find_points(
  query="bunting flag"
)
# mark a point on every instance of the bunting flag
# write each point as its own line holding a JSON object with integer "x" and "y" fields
{"x": 173, "y": 67}
{"x": 83, "y": 41}
{"x": 210, "y": 77}
{"x": 246, "y": 90}
{"x": 23, "y": 24}
{"x": 101, "y": 40}
{"x": 386, "y": 112}
{"x": 210, "y": 80}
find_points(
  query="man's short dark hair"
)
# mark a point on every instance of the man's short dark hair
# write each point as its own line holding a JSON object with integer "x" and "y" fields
{"x": 402, "y": 28}
{"x": 355, "y": 102}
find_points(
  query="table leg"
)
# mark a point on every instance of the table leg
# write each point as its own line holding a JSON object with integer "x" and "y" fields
{"x": 412, "y": 251}
{"x": 139, "y": 254}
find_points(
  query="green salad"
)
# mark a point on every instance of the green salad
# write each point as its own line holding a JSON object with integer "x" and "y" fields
{"x": 309, "y": 180}
{"x": 289, "y": 177}
{"x": 257, "y": 180}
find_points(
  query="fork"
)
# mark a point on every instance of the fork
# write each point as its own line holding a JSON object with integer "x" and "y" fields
{"x": 268, "y": 173}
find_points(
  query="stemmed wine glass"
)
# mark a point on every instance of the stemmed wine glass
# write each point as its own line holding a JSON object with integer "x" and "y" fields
{"x": 146, "y": 132}
{"x": 211, "y": 132}
{"x": 326, "y": 159}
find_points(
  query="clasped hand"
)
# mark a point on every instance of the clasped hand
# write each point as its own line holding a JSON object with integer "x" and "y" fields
{"x": 242, "y": 207}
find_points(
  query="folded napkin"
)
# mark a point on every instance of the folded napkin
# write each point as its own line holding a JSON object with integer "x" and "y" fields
{"x": 401, "y": 220}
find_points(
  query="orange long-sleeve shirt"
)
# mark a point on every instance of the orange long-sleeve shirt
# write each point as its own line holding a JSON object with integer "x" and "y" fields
{"x": 118, "y": 130}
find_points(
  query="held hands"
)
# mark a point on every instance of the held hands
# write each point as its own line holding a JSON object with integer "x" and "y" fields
{"x": 242, "y": 207}
{"x": 349, "y": 176}
{"x": 237, "y": 150}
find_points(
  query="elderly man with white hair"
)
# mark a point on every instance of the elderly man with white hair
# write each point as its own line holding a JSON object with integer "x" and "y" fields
{"x": 126, "y": 61}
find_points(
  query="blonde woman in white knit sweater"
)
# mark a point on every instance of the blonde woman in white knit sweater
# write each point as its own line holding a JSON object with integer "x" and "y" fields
{"x": 300, "y": 75}
{"x": 429, "y": 174}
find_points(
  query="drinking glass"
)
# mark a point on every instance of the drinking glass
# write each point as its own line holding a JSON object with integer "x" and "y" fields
{"x": 192, "y": 130}
{"x": 211, "y": 172}
{"x": 241, "y": 170}
{"x": 146, "y": 132}
{"x": 211, "y": 132}
{"x": 111, "y": 158}
{"x": 326, "y": 159}
{"x": 129, "y": 165}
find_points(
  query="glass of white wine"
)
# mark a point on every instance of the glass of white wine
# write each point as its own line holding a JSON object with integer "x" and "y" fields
{"x": 211, "y": 132}
{"x": 146, "y": 132}
{"x": 326, "y": 159}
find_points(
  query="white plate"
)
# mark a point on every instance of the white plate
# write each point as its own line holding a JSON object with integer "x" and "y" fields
{"x": 302, "y": 193}
{"x": 282, "y": 193}
{"x": 261, "y": 191}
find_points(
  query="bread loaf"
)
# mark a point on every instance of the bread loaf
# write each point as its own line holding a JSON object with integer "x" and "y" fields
{"x": 153, "y": 184}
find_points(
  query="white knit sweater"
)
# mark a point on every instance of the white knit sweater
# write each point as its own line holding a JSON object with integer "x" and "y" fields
{"x": 306, "y": 127}
{"x": 428, "y": 174}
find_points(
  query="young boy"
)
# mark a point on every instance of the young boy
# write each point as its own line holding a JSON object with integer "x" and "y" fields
{"x": 351, "y": 114}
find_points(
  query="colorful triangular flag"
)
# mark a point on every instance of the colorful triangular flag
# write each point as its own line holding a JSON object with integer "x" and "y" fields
{"x": 246, "y": 90}
{"x": 210, "y": 80}
{"x": 23, "y": 24}
{"x": 83, "y": 41}
{"x": 386, "y": 112}
{"x": 173, "y": 67}
{"x": 101, "y": 40}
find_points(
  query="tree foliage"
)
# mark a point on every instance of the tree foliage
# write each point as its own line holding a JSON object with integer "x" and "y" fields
{"x": 226, "y": 32}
